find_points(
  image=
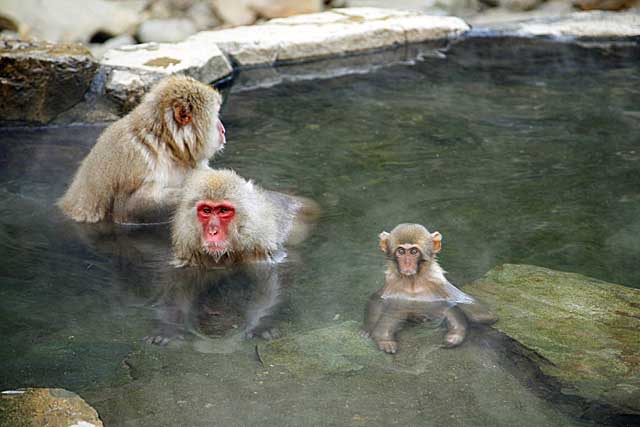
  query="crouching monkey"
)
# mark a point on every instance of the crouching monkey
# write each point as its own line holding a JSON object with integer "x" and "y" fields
{"x": 136, "y": 169}
{"x": 415, "y": 288}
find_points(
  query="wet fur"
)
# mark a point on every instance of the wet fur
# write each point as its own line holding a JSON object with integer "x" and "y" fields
{"x": 140, "y": 162}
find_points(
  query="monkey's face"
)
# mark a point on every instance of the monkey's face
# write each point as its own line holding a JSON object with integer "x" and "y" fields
{"x": 215, "y": 218}
{"x": 408, "y": 258}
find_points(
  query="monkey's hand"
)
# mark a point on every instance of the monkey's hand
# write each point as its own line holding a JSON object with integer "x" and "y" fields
{"x": 388, "y": 346}
{"x": 268, "y": 334}
{"x": 453, "y": 339}
{"x": 161, "y": 340}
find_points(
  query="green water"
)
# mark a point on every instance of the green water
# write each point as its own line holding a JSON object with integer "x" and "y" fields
{"x": 527, "y": 154}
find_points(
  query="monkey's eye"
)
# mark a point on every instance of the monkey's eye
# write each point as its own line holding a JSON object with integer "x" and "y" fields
{"x": 400, "y": 251}
{"x": 223, "y": 210}
{"x": 413, "y": 251}
{"x": 207, "y": 210}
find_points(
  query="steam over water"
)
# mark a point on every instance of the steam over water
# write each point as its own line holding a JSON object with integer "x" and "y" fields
{"x": 527, "y": 154}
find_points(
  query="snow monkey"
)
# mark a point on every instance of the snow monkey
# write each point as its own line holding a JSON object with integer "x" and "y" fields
{"x": 136, "y": 169}
{"x": 228, "y": 230}
{"x": 415, "y": 288}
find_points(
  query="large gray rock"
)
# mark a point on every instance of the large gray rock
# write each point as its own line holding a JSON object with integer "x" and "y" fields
{"x": 586, "y": 331}
{"x": 131, "y": 70}
{"x": 333, "y": 33}
{"x": 73, "y": 21}
{"x": 39, "y": 80}
{"x": 52, "y": 407}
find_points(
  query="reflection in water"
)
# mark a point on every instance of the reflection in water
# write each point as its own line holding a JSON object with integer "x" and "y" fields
{"x": 522, "y": 155}
{"x": 213, "y": 302}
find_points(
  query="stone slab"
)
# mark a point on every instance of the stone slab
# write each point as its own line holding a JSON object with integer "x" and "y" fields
{"x": 334, "y": 33}
{"x": 579, "y": 25}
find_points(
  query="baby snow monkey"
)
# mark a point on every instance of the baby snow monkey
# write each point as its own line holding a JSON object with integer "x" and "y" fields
{"x": 415, "y": 288}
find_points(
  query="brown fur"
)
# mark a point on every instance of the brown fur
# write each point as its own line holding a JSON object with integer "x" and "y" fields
{"x": 425, "y": 294}
{"x": 140, "y": 162}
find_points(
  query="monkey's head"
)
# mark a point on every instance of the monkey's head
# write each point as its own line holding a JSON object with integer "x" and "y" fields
{"x": 188, "y": 110}
{"x": 221, "y": 214}
{"x": 410, "y": 246}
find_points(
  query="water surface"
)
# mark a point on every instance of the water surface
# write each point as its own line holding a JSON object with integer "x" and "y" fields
{"x": 520, "y": 154}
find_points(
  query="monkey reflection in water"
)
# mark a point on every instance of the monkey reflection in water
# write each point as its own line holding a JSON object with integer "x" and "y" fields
{"x": 228, "y": 240}
{"x": 416, "y": 289}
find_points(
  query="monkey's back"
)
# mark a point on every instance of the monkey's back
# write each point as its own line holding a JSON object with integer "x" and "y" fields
{"x": 112, "y": 167}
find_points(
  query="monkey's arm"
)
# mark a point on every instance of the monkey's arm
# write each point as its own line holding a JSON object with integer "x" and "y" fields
{"x": 147, "y": 205}
{"x": 264, "y": 302}
{"x": 478, "y": 313}
{"x": 457, "y": 327}
{"x": 372, "y": 314}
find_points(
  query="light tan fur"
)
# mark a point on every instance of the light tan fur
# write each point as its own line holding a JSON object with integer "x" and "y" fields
{"x": 140, "y": 162}
{"x": 264, "y": 221}
{"x": 423, "y": 294}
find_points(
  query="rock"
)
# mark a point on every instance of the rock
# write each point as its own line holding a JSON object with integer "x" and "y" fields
{"x": 67, "y": 21}
{"x": 578, "y": 25}
{"x": 331, "y": 350}
{"x": 497, "y": 15}
{"x": 132, "y": 70}
{"x": 234, "y": 12}
{"x": 202, "y": 16}
{"x": 52, "y": 407}
{"x": 98, "y": 49}
{"x": 519, "y": 5}
{"x": 246, "y": 12}
{"x": 605, "y": 4}
{"x": 165, "y": 30}
{"x": 338, "y": 32}
{"x": 283, "y": 8}
{"x": 39, "y": 80}
{"x": 585, "y": 331}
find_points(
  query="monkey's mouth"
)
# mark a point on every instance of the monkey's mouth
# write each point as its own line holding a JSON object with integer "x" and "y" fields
{"x": 215, "y": 250}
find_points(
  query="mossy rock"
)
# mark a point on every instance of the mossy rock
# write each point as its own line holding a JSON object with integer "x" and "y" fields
{"x": 53, "y": 407}
{"x": 586, "y": 331}
{"x": 331, "y": 350}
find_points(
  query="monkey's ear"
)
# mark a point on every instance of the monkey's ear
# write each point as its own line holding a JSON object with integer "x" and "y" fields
{"x": 182, "y": 113}
{"x": 384, "y": 241}
{"x": 436, "y": 238}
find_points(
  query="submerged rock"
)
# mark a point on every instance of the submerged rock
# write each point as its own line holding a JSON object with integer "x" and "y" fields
{"x": 586, "y": 331}
{"x": 39, "y": 80}
{"x": 52, "y": 407}
{"x": 331, "y": 350}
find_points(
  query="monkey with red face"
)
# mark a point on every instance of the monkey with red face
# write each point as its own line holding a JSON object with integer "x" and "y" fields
{"x": 225, "y": 228}
{"x": 223, "y": 219}
{"x": 135, "y": 171}
{"x": 416, "y": 289}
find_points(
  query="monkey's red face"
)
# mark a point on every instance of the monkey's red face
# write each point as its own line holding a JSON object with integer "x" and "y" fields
{"x": 408, "y": 258}
{"x": 215, "y": 218}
